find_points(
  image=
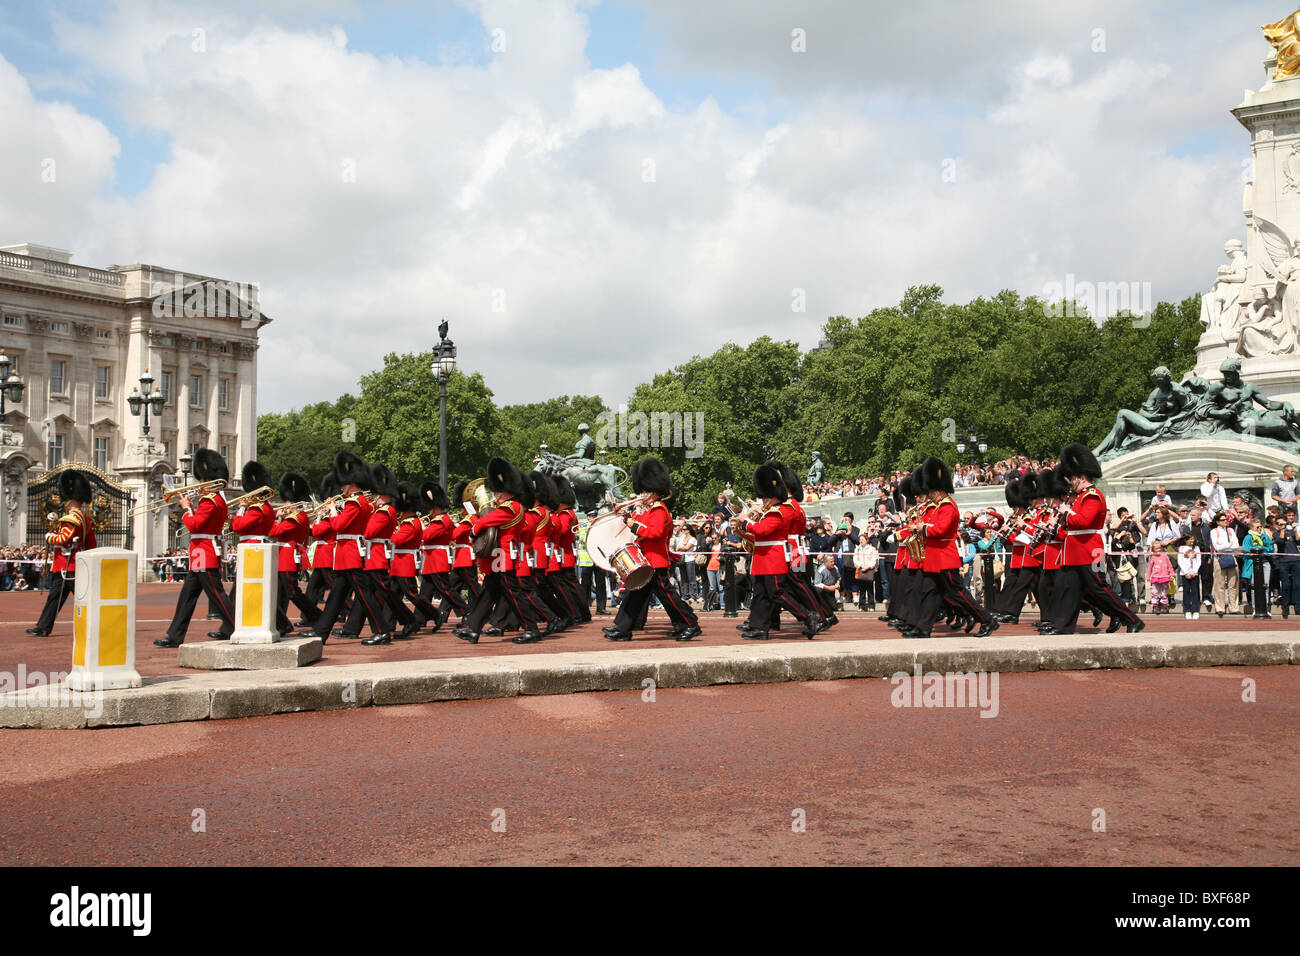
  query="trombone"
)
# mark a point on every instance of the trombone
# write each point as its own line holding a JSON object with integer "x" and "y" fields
{"x": 171, "y": 496}
{"x": 255, "y": 497}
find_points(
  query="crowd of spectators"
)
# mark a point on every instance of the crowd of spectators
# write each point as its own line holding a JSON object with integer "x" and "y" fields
{"x": 23, "y": 568}
{"x": 964, "y": 476}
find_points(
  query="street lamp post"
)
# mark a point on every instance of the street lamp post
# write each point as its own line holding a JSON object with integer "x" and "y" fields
{"x": 11, "y": 390}
{"x": 444, "y": 363}
{"x": 977, "y": 445}
{"x": 145, "y": 399}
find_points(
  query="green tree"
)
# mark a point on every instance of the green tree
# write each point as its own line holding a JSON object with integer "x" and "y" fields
{"x": 553, "y": 422}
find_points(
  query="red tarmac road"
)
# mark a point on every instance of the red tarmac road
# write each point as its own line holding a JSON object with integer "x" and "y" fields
{"x": 1185, "y": 771}
{"x": 156, "y": 602}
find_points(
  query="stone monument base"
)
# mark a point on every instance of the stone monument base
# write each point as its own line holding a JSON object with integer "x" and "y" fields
{"x": 226, "y": 656}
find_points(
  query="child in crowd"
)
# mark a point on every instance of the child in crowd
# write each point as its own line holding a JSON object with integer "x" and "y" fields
{"x": 1160, "y": 571}
{"x": 1189, "y": 569}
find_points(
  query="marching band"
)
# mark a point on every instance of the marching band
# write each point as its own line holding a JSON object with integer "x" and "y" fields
{"x": 502, "y": 552}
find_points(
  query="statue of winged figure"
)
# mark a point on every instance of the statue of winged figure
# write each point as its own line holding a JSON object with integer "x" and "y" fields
{"x": 1261, "y": 331}
{"x": 1284, "y": 37}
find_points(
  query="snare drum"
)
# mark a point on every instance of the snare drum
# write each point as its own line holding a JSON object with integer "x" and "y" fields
{"x": 613, "y": 547}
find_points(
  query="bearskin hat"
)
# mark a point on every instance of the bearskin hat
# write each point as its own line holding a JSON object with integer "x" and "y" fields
{"x": 505, "y": 477}
{"x": 791, "y": 478}
{"x": 564, "y": 493}
{"x": 432, "y": 495}
{"x": 938, "y": 476}
{"x": 329, "y": 486}
{"x": 351, "y": 470}
{"x": 768, "y": 483}
{"x": 1048, "y": 485}
{"x": 457, "y": 490}
{"x": 1015, "y": 494}
{"x": 209, "y": 466}
{"x": 255, "y": 475}
{"x": 1030, "y": 488}
{"x": 918, "y": 482}
{"x": 74, "y": 485}
{"x": 1078, "y": 462}
{"x": 383, "y": 480}
{"x": 543, "y": 490}
{"x": 294, "y": 487}
{"x": 408, "y": 497}
{"x": 651, "y": 475}
{"x": 1060, "y": 483}
{"x": 906, "y": 491}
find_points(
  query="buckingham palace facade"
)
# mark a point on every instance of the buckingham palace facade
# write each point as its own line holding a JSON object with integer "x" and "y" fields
{"x": 80, "y": 339}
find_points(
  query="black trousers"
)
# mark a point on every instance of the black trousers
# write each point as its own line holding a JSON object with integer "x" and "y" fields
{"x": 772, "y": 593}
{"x": 501, "y": 587}
{"x": 289, "y": 591}
{"x": 406, "y": 588}
{"x": 201, "y": 582}
{"x": 60, "y": 588}
{"x": 438, "y": 583}
{"x": 318, "y": 585}
{"x": 356, "y": 583}
{"x": 1011, "y": 600}
{"x": 635, "y": 605}
{"x": 956, "y": 595}
{"x": 594, "y": 578}
{"x": 466, "y": 579}
{"x": 1077, "y": 585}
{"x": 902, "y": 595}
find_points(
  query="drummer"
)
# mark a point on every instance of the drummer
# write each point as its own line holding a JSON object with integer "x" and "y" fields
{"x": 653, "y": 525}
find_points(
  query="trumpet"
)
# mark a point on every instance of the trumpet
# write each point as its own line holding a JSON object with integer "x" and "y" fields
{"x": 171, "y": 496}
{"x": 255, "y": 497}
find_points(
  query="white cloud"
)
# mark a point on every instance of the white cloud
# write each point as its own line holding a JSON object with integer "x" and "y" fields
{"x": 523, "y": 180}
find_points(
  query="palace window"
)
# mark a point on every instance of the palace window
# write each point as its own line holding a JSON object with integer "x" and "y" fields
{"x": 102, "y": 381}
{"x": 14, "y": 321}
{"x": 58, "y": 383}
{"x": 165, "y": 383}
{"x": 56, "y": 450}
{"x": 103, "y": 334}
{"x": 196, "y": 391}
{"x": 223, "y": 394}
{"x": 101, "y": 454}
{"x": 58, "y": 326}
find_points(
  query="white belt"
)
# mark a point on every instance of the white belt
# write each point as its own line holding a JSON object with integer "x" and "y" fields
{"x": 770, "y": 544}
{"x": 1075, "y": 534}
{"x": 403, "y": 551}
{"x": 350, "y": 537}
{"x": 252, "y": 539}
{"x": 203, "y": 537}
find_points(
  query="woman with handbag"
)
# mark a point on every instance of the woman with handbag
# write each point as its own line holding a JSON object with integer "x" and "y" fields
{"x": 1224, "y": 548}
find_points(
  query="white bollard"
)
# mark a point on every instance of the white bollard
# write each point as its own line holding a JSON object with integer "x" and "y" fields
{"x": 103, "y": 649}
{"x": 257, "y": 588}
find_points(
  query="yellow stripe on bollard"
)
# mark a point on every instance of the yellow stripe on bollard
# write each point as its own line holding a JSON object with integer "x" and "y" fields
{"x": 112, "y": 635}
{"x": 252, "y": 606}
{"x": 79, "y": 635}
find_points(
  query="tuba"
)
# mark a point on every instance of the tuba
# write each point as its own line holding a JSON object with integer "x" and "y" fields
{"x": 915, "y": 542}
{"x": 475, "y": 500}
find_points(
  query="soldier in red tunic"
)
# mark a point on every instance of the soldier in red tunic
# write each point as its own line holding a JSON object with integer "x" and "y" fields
{"x": 206, "y": 520}
{"x": 253, "y": 524}
{"x": 74, "y": 532}
{"x": 564, "y": 557}
{"x": 770, "y": 564}
{"x": 464, "y": 572}
{"x": 349, "y": 521}
{"x": 941, "y": 568}
{"x": 1021, "y": 578}
{"x": 819, "y": 604}
{"x": 290, "y": 531}
{"x": 897, "y": 609}
{"x": 1082, "y": 518}
{"x": 653, "y": 526}
{"x": 513, "y": 497}
{"x": 436, "y": 551}
{"x": 406, "y": 541}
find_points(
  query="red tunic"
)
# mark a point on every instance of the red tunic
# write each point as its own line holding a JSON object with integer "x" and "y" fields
{"x": 379, "y": 531}
{"x": 569, "y": 542}
{"x": 540, "y": 540}
{"x": 1083, "y": 525}
{"x": 406, "y": 547}
{"x": 349, "y": 530}
{"x": 796, "y": 527}
{"x": 460, "y": 540}
{"x": 508, "y": 518}
{"x": 76, "y": 532}
{"x": 292, "y": 535}
{"x": 437, "y": 540}
{"x": 556, "y": 531}
{"x": 941, "y": 525}
{"x": 205, "y": 524}
{"x": 653, "y": 527}
{"x": 323, "y": 556}
{"x": 770, "y": 541}
{"x": 255, "y": 523}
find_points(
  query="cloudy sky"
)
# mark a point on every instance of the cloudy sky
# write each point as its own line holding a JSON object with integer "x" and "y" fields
{"x": 592, "y": 192}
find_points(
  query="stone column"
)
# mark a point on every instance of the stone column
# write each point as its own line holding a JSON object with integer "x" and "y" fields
{"x": 182, "y": 401}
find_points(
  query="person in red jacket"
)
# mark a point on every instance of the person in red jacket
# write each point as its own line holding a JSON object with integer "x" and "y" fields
{"x": 898, "y": 611}
{"x": 653, "y": 526}
{"x": 322, "y": 557}
{"x": 253, "y": 524}
{"x": 1021, "y": 578}
{"x": 205, "y": 520}
{"x": 349, "y": 521}
{"x": 406, "y": 541}
{"x": 941, "y": 568}
{"x": 512, "y": 498}
{"x": 1082, "y": 518}
{"x": 435, "y": 551}
{"x": 290, "y": 532}
{"x": 564, "y": 558}
{"x": 769, "y": 567}
{"x": 464, "y": 572}
{"x": 74, "y": 532}
{"x": 798, "y": 583}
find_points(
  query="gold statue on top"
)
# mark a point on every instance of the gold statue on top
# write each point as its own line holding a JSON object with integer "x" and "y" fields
{"x": 1285, "y": 39}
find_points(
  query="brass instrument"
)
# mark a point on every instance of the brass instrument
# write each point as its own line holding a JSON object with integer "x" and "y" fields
{"x": 915, "y": 542}
{"x": 317, "y": 510}
{"x": 171, "y": 496}
{"x": 255, "y": 497}
{"x": 477, "y": 497}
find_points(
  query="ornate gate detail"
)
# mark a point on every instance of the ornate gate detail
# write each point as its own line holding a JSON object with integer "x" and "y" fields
{"x": 110, "y": 501}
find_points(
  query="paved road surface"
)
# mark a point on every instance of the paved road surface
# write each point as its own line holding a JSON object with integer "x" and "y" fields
{"x": 1186, "y": 772}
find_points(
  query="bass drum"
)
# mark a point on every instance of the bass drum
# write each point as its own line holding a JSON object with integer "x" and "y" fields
{"x": 613, "y": 547}
{"x": 485, "y": 544}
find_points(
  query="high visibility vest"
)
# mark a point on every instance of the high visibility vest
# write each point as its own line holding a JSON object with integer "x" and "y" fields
{"x": 584, "y": 559}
